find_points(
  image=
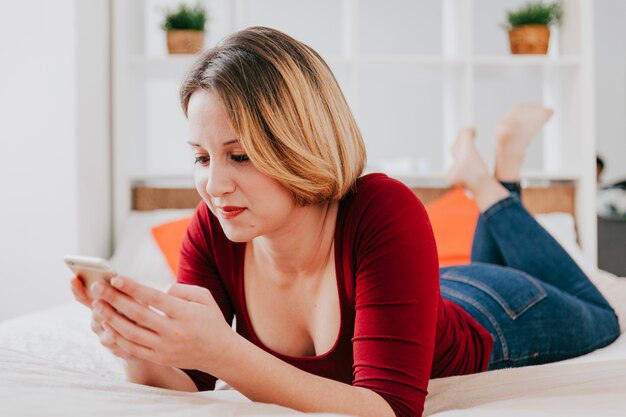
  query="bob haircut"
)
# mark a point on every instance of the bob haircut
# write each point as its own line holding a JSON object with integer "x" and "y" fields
{"x": 286, "y": 108}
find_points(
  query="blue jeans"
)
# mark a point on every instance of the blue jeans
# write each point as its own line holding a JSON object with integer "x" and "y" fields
{"x": 523, "y": 287}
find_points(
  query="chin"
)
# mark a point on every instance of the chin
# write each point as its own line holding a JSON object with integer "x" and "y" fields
{"x": 235, "y": 234}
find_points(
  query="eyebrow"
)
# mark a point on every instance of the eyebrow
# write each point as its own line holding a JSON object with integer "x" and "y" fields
{"x": 230, "y": 142}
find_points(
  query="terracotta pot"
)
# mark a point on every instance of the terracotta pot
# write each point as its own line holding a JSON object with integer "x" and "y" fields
{"x": 529, "y": 39}
{"x": 185, "y": 41}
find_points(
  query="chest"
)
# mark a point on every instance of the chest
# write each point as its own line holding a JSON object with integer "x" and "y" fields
{"x": 301, "y": 319}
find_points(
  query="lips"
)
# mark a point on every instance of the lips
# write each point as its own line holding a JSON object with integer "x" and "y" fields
{"x": 230, "y": 212}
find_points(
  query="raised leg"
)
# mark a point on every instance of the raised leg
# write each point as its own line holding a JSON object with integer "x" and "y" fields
{"x": 514, "y": 133}
{"x": 470, "y": 172}
{"x": 521, "y": 242}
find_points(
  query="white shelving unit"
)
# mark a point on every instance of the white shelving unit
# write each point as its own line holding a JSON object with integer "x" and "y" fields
{"x": 414, "y": 72}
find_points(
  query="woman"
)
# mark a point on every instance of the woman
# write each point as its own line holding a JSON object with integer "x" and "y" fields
{"x": 334, "y": 277}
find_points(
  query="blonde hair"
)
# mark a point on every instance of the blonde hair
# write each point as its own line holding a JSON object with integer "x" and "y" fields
{"x": 286, "y": 108}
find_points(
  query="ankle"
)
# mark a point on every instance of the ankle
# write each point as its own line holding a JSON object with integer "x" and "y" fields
{"x": 488, "y": 192}
{"x": 508, "y": 167}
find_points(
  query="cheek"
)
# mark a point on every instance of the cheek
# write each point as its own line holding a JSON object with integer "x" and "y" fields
{"x": 278, "y": 204}
{"x": 200, "y": 182}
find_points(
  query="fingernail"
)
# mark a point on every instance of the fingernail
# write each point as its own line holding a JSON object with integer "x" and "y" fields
{"x": 116, "y": 282}
{"x": 97, "y": 288}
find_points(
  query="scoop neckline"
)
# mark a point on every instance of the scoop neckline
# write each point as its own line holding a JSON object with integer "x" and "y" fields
{"x": 338, "y": 280}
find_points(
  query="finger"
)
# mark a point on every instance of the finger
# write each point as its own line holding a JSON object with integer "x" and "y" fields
{"x": 127, "y": 328}
{"x": 191, "y": 293}
{"x": 132, "y": 349}
{"x": 130, "y": 307}
{"x": 96, "y": 325}
{"x": 108, "y": 341}
{"x": 79, "y": 292}
{"x": 172, "y": 306}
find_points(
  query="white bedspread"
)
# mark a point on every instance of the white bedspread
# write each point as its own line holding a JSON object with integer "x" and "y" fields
{"x": 52, "y": 365}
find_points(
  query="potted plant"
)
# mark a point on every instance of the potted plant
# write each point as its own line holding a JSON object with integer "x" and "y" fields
{"x": 185, "y": 29}
{"x": 528, "y": 27}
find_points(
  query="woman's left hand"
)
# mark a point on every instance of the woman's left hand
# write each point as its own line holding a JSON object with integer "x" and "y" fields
{"x": 190, "y": 334}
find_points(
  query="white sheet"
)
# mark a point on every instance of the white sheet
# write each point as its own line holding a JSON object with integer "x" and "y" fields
{"x": 51, "y": 364}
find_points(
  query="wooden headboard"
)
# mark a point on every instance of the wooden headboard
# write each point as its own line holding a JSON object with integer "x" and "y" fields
{"x": 547, "y": 198}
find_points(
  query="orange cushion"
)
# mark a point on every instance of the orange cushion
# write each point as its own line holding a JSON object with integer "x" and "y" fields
{"x": 169, "y": 236}
{"x": 453, "y": 217}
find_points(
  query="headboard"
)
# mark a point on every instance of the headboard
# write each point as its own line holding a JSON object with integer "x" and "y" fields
{"x": 546, "y": 197}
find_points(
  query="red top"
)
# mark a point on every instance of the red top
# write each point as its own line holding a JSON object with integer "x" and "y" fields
{"x": 396, "y": 331}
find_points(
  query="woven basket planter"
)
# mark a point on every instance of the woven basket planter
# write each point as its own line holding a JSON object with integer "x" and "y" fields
{"x": 185, "y": 41}
{"x": 529, "y": 39}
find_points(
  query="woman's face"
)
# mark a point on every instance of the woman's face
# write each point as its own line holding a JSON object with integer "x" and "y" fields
{"x": 247, "y": 202}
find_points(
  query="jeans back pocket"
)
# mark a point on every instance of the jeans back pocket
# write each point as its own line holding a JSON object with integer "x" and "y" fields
{"x": 513, "y": 290}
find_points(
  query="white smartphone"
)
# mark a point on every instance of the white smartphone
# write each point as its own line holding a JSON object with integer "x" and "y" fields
{"x": 90, "y": 269}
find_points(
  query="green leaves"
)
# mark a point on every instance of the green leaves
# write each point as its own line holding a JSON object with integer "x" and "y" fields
{"x": 185, "y": 18}
{"x": 536, "y": 13}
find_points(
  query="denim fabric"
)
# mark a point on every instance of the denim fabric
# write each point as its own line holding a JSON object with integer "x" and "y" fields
{"x": 524, "y": 288}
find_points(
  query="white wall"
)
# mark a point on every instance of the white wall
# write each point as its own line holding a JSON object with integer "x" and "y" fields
{"x": 611, "y": 86}
{"x": 45, "y": 210}
{"x": 93, "y": 126}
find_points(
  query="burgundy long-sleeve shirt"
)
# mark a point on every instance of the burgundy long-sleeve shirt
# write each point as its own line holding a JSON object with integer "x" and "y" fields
{"x": 396, "y": 330}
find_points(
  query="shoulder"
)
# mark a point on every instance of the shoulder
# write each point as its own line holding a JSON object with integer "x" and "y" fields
{"x": 380, "y": 184}
{"x": 379, "y": 207}
{"x": 378, "y": 194}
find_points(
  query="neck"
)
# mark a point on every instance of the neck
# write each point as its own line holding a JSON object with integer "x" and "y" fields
{"x": 302, "y": 248}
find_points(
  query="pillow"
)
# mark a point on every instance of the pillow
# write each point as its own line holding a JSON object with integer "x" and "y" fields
{"x": 169, "y": 236}
{"x": 453, "y": 217}
{"x": 137, "y": 254}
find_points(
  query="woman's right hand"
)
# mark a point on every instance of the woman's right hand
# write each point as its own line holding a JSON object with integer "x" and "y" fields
{"x": 137, "y": 370}
{"x": 82, "y": 296}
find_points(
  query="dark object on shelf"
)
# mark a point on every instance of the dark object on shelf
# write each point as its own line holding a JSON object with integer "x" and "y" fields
{"x": 612, "y": 245}
{"x": 619, "y": 184}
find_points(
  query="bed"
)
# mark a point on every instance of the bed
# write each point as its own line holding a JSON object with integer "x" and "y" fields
{"x": 51, "y": 364}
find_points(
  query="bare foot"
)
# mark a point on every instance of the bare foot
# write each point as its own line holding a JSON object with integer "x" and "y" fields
{"x": 470, "y": 172}
{"x": 469, "y": 168}
{"x": 514, "y": 134}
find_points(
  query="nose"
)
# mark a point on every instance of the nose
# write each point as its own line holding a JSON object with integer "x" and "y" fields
{"x": 219, "y": 180}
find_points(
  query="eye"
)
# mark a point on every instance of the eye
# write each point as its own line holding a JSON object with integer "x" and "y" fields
{"x": 240, "y": 157}
{"x": 202, "y": 160}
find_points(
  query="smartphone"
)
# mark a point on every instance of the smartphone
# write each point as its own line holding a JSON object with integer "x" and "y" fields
{"x": 90, "y": 269}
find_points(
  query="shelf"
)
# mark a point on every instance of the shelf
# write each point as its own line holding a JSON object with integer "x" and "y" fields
{"x": 186, "y": 59}
{"x": 438, "y": 179}
{"x": 165, "y": 66}
{"x": 521, "y": 60}
{"x": 400, "y": 59}
{"x": 177, "y": 63}
{"x": 163, "y": 181}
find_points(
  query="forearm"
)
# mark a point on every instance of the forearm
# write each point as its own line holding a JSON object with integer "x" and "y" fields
{"x": 264, "y": 378}
{"x": 147, "y": 373}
